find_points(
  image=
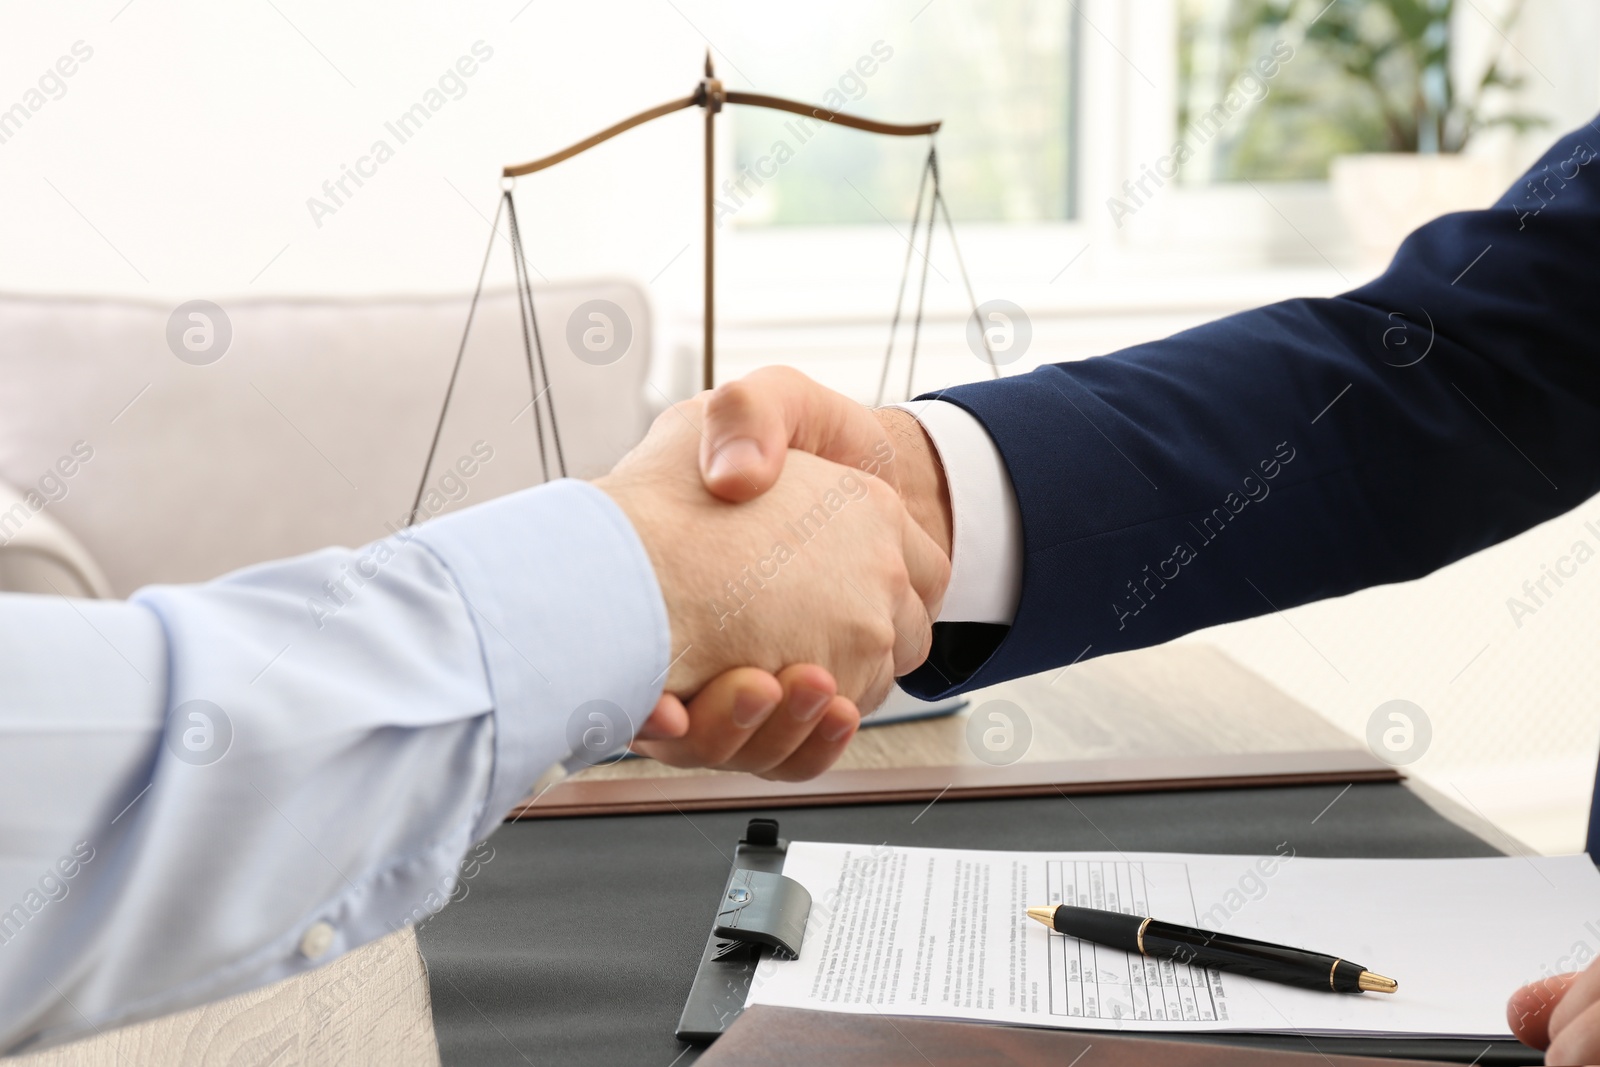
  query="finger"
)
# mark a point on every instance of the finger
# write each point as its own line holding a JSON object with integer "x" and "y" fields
{"x": 827, "y": 743}
{"x": 877, "y": 688}
{"x": 928, "y": 568}
{"x": 1583, "y": 991}
{"x": 751, "y": 423}
{"x": 670, "y": 719}
{"x": 913, "y": 633}
{"x": 722, "y": 717}
{"x": 1578, "y": 1041}
{"x": 808, "y": 690}
{"x": 1528, "y": 1010}
{"x": 912, "y": 616}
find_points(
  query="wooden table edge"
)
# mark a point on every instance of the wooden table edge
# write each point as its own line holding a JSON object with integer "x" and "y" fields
{"x": 579, "y": 797}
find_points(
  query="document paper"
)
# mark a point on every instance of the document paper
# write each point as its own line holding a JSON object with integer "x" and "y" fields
{"x": 942, "y": 933}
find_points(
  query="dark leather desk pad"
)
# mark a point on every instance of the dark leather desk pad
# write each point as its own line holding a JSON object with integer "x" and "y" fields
{"x": 577, "y": 942}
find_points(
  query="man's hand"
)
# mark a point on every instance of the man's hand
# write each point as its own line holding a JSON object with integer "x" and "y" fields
{"x": 826, "y": 567}
{"x": 789, "y": 728}
{"x": 1561, "y": 1015}
{"x": 753, "y": 423}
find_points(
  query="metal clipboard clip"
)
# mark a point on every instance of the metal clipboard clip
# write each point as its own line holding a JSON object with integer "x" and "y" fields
{"x": 761, "y": 912}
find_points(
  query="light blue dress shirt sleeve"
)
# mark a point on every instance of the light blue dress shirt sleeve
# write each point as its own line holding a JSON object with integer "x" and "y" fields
{"x": 209, "y": 788}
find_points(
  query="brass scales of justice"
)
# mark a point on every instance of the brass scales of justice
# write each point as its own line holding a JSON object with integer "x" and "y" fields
{"x": 712, "y": 96}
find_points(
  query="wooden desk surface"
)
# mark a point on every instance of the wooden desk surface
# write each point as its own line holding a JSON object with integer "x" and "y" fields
{"x": 1171, "y": 701}
{"x": 373, "y": 1005}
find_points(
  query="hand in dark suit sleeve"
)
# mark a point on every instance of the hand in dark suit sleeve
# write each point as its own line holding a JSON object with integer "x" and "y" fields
{"x": 1309, "y": 448}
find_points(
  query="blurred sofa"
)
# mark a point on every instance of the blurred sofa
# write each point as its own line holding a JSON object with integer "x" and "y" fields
{"x": 132, "y": 452}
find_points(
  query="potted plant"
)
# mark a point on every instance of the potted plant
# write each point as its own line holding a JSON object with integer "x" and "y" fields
{"x": 1401, "y": 53}
{"x": 1378, "y": 98}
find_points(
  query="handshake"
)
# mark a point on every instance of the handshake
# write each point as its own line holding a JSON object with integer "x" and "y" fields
{"x": 802, "y": 545}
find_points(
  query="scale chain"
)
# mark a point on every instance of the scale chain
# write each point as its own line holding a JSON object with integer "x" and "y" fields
{"x": 531, "y": 344}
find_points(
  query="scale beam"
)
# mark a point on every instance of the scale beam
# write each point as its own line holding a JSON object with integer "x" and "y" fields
{"x": 698, "y": 99}
{"x": 710, "y": 95}
{"x": 604, "y": 135}
{"x": 778, "y": 103}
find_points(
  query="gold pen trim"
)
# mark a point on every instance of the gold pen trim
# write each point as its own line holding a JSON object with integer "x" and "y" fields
{"x": 1331, "y": 971}
{"x": 1139, "y": 937}
{"x": 1376, "y": 983}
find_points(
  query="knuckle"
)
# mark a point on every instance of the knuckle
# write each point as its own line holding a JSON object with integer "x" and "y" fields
{"x": 731, "y": 402}
{"x": 778, "y": 377}
{"x": 882, "y": 494}
{"x": 660, "y": 422}
{"x": 883, "y": 639}
{"x": 671, "y": 421}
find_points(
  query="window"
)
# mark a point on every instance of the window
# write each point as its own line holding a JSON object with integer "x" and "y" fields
{"x": 1382, "y": 76}
{"x": 997, "y": 72}
{"x": 1294, "y": 122}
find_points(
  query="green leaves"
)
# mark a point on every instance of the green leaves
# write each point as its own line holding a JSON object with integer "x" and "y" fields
{"x": 1401, "y": 52}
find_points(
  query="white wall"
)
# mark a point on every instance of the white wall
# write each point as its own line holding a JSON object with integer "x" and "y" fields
{"x": 179, "y": 162}
{"x": 180, "y": 159}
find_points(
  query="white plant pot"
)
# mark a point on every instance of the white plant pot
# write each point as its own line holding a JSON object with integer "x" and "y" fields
{"x": 1383, "y": 196}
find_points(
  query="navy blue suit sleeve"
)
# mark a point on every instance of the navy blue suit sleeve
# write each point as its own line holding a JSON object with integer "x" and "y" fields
{"x": 1309, "y": 448}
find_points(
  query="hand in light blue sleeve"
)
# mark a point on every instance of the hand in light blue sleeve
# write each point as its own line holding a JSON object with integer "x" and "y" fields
{"x": 208, "y": 788}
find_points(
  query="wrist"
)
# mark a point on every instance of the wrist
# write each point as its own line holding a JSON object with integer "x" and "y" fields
{"x": 645, "y": 509}
{"x": 917, "y": 473}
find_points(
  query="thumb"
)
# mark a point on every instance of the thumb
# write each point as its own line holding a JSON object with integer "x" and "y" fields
{"x": 1529, "y": 1009}
{"x": 751, "y": 423}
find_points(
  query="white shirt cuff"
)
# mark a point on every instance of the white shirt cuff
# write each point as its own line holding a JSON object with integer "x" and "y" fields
{"x": 986, "y": 525}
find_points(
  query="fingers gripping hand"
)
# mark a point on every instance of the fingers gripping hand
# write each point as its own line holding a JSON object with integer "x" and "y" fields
{"x": 790, "y": 727}
{"x": 824, "y": 568}
{"x": 751, "y": 424}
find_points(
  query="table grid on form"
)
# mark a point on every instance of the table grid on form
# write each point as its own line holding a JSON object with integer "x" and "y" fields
{"x": 1094, "y": 982}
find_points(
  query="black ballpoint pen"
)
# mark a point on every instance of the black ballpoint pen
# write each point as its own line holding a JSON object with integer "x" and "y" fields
{"x": 1214, "y": 950}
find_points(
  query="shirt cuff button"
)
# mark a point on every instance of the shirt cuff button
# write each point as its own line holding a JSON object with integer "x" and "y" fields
{"x": 317, "y": 940}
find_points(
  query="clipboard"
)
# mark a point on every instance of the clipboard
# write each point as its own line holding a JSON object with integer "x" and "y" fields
{"x": 574, "y": 962}
{"x": 761, "y": 912}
